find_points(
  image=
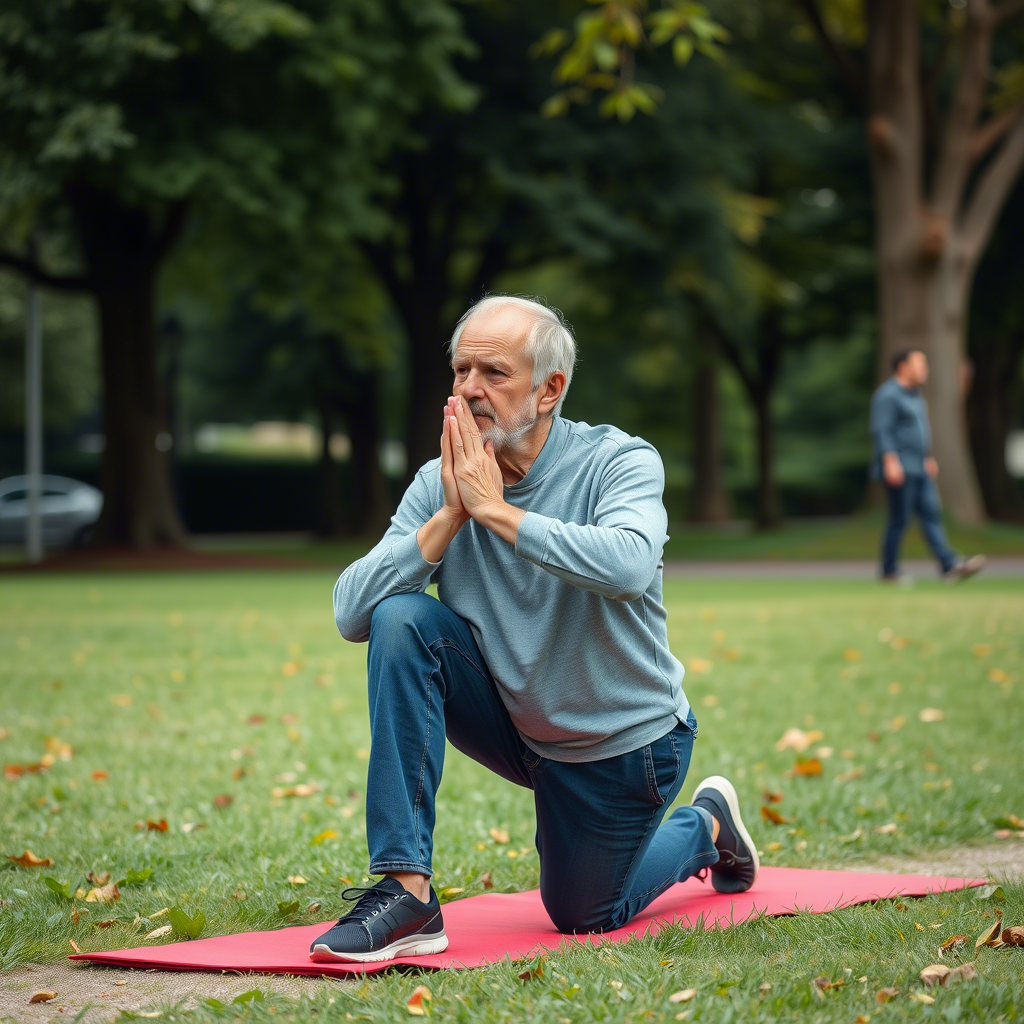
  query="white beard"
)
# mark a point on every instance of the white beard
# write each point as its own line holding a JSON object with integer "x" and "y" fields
{"x": 506, "y": 436}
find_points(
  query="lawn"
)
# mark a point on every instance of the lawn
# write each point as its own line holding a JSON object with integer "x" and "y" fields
{"x": 226, "y": 706}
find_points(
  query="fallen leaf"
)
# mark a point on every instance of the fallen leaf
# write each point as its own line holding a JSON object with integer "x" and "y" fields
{"x": 990, "y": 892}
{"x": 255, "y": 720}
{"x": 535, "y": 970}
{"x": 807, "y": 767}
{"x": 415, "y": 1005}
{"x": 771, "y": 798}
{"x": 63, "y": 890}
{"x": 990, "y": 936}
{"x": 1013, "y": 936}
{"x": 302, "y": 789}
{"x": 29, "y": 860}
{"x": 862, "y": 1018}
{"x": 883, "y": 995}
{"x": 773, "y": 847}
{"x": 922, "y": 997}
{"x": 934, "y": 974}
{"x": 772, "y": 815}
{"x": 156, "y": 826}
{"x": 824, "y": 984}
{"x": 158, "y": 933}
{"x": 223, "y": 800}
{"x": 851, "y": 654}
{"x": 75, "y": 946}
{"x": 185, "y": 926}
{"x": 499, "y": 835}
{"x": 451, "y": 890}
{"x": 322, "y": 837}
{"x": 887, "y": 830}
{"x": 98, "y": 879}
{"x": 965, "y": 972}
{"x": 798, "y": 740}
{"x": 297, "y": 880}
{"x": 103, "y": 893}
{"x": 42, "y": 996}
{"x": 486, "y": 881}
{"x": 931, "y": 715}
{"x": 699, "y": 666}
{"x": 684, "y": 995}
{"x": 953, "y": 942}
{"x": 998, "y": 675}
{"x": 99, "y": 775}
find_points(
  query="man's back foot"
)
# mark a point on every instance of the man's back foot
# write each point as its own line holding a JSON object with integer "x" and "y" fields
{"x": 386, "y": 922}
{"x": 964, "y": 568}
{"x": 738, "y": 863}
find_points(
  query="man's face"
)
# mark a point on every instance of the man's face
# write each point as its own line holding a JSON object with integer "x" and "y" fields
{"x": 917, "y": 368}
{"x": 493, "y": 375}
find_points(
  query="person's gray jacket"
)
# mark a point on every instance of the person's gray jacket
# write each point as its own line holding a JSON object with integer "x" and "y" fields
{"x": 899, "y": 423}
{"x": 570, "y": 620}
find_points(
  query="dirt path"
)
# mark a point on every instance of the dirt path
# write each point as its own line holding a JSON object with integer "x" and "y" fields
{"x": 98, "y": 994}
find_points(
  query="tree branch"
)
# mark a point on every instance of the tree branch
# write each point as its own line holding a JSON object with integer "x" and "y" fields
{"x": 850, "y": 72}
{"x": 954, "y": 160}
{"x": 32, "y": 270}
{"x": 993, "y": 187}
{"x": 989, "y": 133}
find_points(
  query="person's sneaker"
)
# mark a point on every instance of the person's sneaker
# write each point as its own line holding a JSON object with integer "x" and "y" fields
{"x": 964, "y": 568}
{"x": 737, "y": 865}
{"x": 386, "y": 922}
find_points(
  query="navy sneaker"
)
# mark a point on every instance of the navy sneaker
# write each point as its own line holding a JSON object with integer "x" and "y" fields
{"x": 737, "y": 865}
{"x": 387, "y": 921}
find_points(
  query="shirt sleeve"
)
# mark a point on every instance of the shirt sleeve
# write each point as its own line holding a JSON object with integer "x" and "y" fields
{"x": 394, "y": 566}
{"x": 618, "y": 554}
{"x": 883, "y": 422}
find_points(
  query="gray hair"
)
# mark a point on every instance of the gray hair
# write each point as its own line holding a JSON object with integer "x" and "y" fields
{"x": 550, "y": 343}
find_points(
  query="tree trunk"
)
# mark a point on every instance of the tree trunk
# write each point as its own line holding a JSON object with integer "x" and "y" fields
{"x": 368, "y": 496}
{"x": 430, "y": 384}
{"x": 123, "y": 254}
{"x": 331, "y": 513}
{"x": 766, "y": 497}
{"x": 991, "y": 416}
{"x": 709, "y": 501}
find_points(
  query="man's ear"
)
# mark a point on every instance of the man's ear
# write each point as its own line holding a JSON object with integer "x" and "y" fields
{"x": 551, "y": 392}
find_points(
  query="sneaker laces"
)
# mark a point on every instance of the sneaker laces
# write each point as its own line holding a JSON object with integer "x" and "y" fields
{"x": 372, "y": 901}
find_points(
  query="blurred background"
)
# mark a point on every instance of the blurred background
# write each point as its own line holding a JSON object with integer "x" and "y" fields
{"x": 240, "y": 232}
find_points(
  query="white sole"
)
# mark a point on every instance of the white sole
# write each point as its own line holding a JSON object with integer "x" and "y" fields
{"x": 725, "y": 787}
{"x": 415, "y": 945}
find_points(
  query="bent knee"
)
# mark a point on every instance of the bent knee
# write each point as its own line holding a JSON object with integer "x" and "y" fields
{"x": 401, "y": 610}
{"x": 575, "y": 917}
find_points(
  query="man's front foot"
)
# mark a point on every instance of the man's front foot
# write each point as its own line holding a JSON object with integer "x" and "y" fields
{"x": 387, "y": 921}
{"x": 738, "y": 864}
{"x": 964, "y": 568}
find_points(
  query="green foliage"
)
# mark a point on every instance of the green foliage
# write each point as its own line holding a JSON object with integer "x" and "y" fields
{"x": 185, "y": 926}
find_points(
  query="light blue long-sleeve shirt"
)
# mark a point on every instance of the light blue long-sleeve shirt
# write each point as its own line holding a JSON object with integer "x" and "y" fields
{"x": 899, "y": 423}
{"x": 570, "y": 620}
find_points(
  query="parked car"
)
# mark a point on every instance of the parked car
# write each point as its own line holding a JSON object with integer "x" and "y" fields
{"x": 68, "y": 509}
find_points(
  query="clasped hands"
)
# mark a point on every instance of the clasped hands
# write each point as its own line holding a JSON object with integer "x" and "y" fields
{"x": 470, "y": 474}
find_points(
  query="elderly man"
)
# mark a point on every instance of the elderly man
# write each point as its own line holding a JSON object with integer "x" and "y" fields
{"x": 903, "y": 461}
{"x": 545, "y": 658}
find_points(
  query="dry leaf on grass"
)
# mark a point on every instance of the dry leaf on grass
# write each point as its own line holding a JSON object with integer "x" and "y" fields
{"x": 772, "y": 815}
{"x": 158, "y": 933}
{"x": 883, "y": 995}
{"x": 940, "y": 974}
{"x": 934, "y": 974}
{"x": 808, "y": 767}
{"x": 953, "y": 942}
{"x": 931, "y": 715}
{"x": 535, "y": 970}
{"x": 223, "y": 800}
{"x": 75, "y": 946}
{"x": 922, "y": 997}
{"x": 100, "y": 878}
{"x": 682, "y": 996}
{"x": 104, "y": 893}
{"x": 887, "y": 830}
{"x": 29, "y": 860}
{"x": 297, "y": 880}
{"x": 42, "y": 996}
{"x": 771, "y": 798}
{"x": 499, "y": 835}
{"x": 302, "y": 789}
{"x": 1013, "y": 936}
{"x": 798, "y": 740}
{"x": 322, "y": 837}
{"x": 420, "y": 996}
{"x": 990, "y": 936}
{"x": 486, "y": 881}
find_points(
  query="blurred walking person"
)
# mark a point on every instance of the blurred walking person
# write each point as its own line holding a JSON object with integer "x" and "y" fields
{"x": 903, "y": 462}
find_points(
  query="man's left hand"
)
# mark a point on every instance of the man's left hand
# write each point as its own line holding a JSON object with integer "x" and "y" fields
{"x": 931, "y": 467}
{"x": 476, "y": 469}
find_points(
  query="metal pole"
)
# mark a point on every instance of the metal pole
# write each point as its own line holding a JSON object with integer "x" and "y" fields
{"x": 33, "y": 422}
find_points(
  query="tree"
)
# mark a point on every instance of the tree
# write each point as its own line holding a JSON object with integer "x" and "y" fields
{"x": 126, "y": 124}
{"x": 942, "y": 169}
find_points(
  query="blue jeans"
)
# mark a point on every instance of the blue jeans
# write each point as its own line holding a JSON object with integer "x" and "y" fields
{"x": 917, "y": 496}
{"x": 603, "y": 856}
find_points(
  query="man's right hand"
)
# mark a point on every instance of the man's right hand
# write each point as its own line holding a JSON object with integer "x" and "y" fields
{"x": 434, "y": 536}
{"x": 892, "y": 469}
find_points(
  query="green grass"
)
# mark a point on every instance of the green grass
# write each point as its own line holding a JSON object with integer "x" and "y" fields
{"x": 155, "y": 680}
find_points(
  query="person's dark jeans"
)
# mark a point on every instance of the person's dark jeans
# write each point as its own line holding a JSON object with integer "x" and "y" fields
{"x": 917, "y": 496}
{"x": 603, "y": 856}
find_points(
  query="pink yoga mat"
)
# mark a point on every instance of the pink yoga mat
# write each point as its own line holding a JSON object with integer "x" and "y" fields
{"x": 488, "y": 928}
